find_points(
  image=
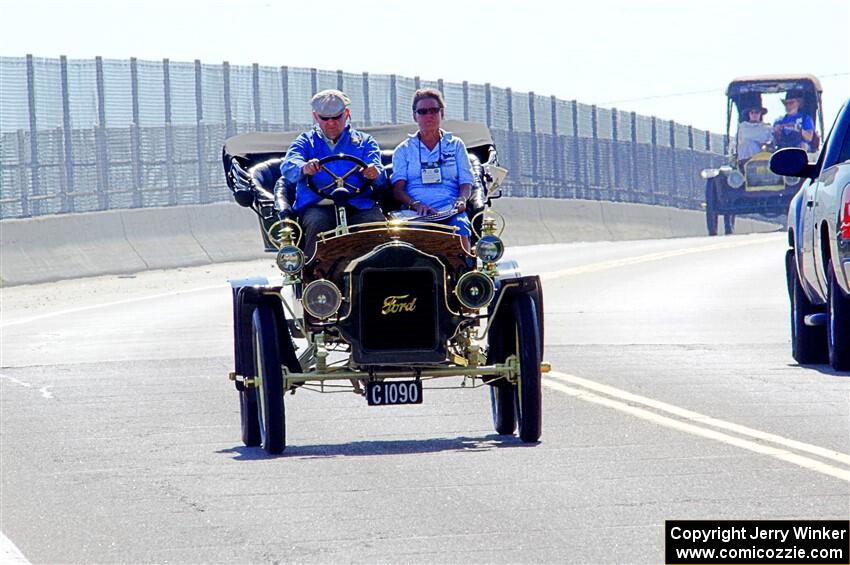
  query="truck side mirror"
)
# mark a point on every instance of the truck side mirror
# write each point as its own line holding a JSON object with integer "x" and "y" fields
{"x": 792, "y": 162}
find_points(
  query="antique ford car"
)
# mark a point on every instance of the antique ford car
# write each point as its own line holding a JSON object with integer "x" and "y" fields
{"x": 745, "y": 184}
{"x": 818, "y": 262}
{"x": 384, "y": 308}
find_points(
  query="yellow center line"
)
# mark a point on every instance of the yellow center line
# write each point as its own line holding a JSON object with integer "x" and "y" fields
{"x": 627, "y": 405}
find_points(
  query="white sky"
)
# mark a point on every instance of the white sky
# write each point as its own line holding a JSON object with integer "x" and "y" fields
{"x": 667, "y": 58}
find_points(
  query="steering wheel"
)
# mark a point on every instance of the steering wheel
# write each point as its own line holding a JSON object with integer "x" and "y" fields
{"x": 339, "y": 178}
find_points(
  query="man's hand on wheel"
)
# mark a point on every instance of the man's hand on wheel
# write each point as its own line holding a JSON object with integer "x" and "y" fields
{"x": 371, "y": 172}
{"x": 311, "y": 167}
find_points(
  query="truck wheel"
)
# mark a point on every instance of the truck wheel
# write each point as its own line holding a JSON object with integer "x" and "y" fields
{"x": 838, "y": 324}
{"x": 711, "y": 207}
{"x": 529, "y": 397}
{"x": 269, "y": 380}
{"x": 249, "y": 417}
{"x": 728, "y": 224}
{"x": 502, "y": 399}
{"x": 808, "y": 343}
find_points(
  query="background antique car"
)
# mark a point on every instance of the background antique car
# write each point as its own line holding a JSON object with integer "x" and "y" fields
{"x": 383, "y": 307}
{"x": 818, "y": 263}
{"x": 752, "y": 188}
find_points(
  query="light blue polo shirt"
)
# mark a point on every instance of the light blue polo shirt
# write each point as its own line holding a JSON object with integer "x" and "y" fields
{"x": 411, "y": 156}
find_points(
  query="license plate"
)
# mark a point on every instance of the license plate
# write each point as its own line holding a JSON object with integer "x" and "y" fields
{"x": 386, "y": 393}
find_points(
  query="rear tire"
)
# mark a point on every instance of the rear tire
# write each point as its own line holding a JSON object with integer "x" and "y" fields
{"x": 808, "y": 343}
{"x": 838, "y": 324}
{"x": 268, "y": 381}
{"x": 710, "y": 207}
{"x": 728, "y": 224}
{"x": 529, "y": 397}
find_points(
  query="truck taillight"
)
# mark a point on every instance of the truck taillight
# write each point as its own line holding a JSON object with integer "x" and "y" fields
{"x": 844, "y": 215}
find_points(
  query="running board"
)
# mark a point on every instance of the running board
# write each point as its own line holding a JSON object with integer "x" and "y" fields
{"x": 813, "y": 320}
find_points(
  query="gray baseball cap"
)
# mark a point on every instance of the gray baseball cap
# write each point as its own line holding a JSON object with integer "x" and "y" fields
{"x": 330, "y": 103}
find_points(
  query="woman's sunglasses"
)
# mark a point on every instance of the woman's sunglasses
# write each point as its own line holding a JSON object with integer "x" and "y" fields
{"x": 426, "y": 111}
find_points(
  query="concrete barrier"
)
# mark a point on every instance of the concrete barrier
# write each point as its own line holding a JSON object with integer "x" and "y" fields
{"x": 126, "y": 241}
{"x": 546, "y": 220}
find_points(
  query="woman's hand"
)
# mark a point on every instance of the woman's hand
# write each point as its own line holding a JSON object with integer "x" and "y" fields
{"x": 421, "y": 208}
{"x": 460, "y": 205}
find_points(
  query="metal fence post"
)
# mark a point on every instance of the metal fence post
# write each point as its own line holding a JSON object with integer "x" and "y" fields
{"x": 692, "y": 188}
{"x": 393, "y": 99}
{"x": 594, "y": 146}
{"x": 634, "y": 188}
{"x": 654, "y": 159}
{"x": 417, "y": 84}
{"x": 284, "y": 86}
{"x": 136, "y": 136}
{"x": 576, "y": 150}
{"x": 367, "y": 111}
{"x": 228, "y": 111}
{"x": 511, "y": 153}
{"x": 615, "y": 146}
{"x": 169, "y": 134}
{"x": 203, "y": 188}
{"x": 465, "y": 101}
{"x": 708, "y": 141}
{"x": 100, "y": 140}
{"x": 509, "y": 102}
{"x": 340, "y": 80}
{"x": 68, "y": 197}
{"x": 440, "y": 84}
{"x": 556, "y": 148}
{"x": 23, "y": 181}
{"x": 488, "y": 104}
{"x": 314, "y": 82}
{"x": 34, "y": 184}
{"x": 535, "y": 179}
{"x": 674, "y": 187}
{"x": 255, "y": 85}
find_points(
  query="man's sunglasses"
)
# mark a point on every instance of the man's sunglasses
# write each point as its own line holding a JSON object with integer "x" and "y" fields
{"x": 324, "y": 119}
{"x": 426, "y": 111}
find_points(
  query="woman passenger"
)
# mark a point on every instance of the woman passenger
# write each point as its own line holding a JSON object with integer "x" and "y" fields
{"x": 431, "y": 170}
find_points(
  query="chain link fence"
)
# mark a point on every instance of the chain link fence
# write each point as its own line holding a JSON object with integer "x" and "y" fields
{"x": 83, "y": 135}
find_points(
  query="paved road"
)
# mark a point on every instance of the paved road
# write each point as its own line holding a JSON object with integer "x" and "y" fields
{"x": 673, "y": 397}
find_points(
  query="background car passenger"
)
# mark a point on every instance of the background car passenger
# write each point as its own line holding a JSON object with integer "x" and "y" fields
{"x": 431, "y": 169}
{"x": 752, "y": 134}
{"x": 794, "y": 129}
{"x": 330, "y": 135}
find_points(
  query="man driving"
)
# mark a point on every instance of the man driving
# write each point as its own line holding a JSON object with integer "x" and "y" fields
{"x": 330, "y": 135}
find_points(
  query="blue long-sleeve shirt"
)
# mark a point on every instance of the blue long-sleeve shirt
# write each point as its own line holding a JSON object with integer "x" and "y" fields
{"x": 313, "y": 145}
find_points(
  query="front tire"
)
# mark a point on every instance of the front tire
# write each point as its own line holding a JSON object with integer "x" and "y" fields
{"x": 711, "y": 207}
{"x": 808, "y": 343}
{"x": 268, "y": 381}
{"x": 838, "y": 324}
{"x": 529, "y": 398}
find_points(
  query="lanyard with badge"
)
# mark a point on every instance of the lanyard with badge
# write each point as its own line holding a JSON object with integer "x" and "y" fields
{"x": 431, "y": 173}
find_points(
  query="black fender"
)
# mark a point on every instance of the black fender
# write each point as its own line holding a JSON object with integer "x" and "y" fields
{"x": 248, "y": 295}
{"x": 501, "y": 327}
